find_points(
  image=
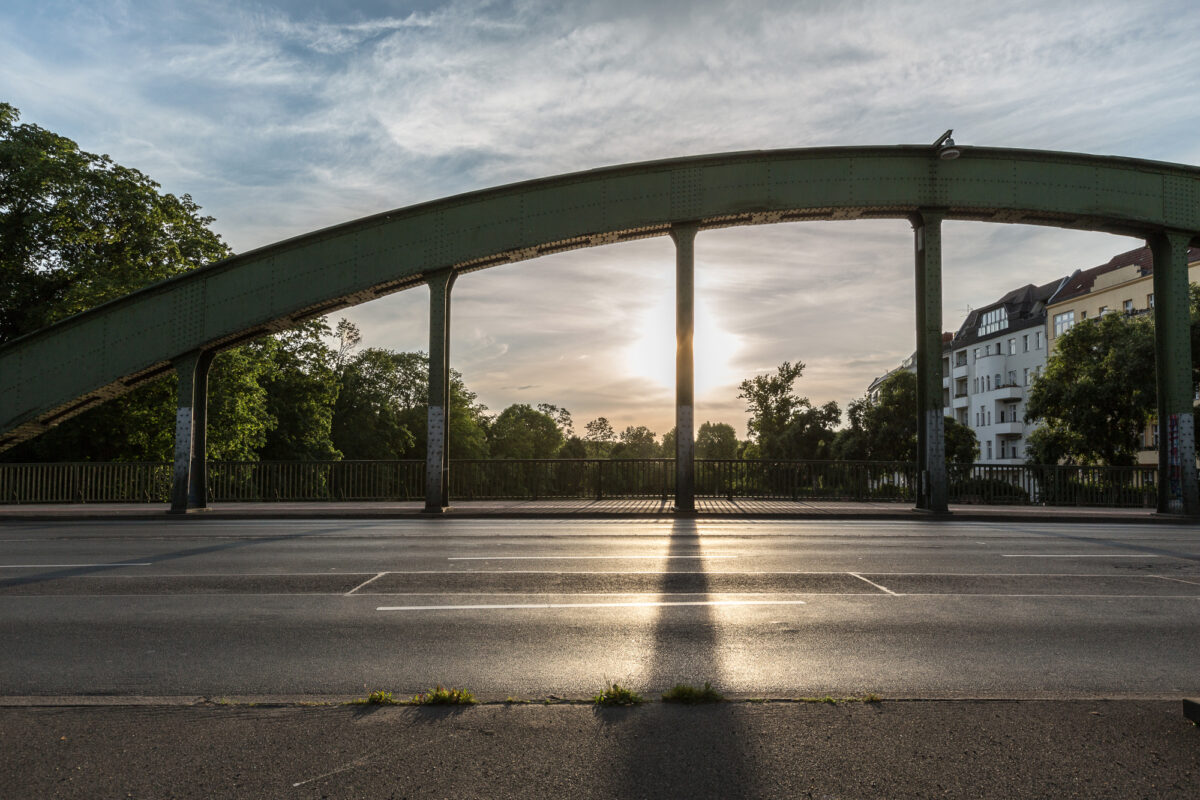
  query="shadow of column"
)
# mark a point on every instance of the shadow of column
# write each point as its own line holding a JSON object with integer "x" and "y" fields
{"x": 673, "y": 750}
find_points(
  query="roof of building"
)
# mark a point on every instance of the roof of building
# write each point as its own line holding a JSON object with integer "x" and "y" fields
{"x": 1081, "y": 281}
{"x": 1026, "y": 307}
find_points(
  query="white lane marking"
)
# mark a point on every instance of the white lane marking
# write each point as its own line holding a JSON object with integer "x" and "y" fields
{"x": 1177, "y": 580}
{"x": 364, "y": 583}
{"x": 574, "y": 558}
{"x": 873, "y": 583}
{"x": 63, "y": 566}
{"x": 1077, "y": 555}
{"x": 629, "y": 604}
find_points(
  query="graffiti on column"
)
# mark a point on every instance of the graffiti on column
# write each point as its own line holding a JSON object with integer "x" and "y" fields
{"x": 1173, "y": 463}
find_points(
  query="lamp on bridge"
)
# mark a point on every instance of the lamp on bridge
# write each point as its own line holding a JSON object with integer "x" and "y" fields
{"x": 944, "y": 147}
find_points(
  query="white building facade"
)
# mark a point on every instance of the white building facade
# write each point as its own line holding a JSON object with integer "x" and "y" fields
{"x": 989, "y": 366}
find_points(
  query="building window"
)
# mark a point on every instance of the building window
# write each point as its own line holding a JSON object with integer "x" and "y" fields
{"x": 992, "y": 321}
{"x": 1128, "y": 306}
{"x": 987, "y": 383}
{"x": 1026, "y": 376}
{"x": 1025, "y": 343}
{"x": 1150, "y": 300}
{"x": 1038, "y": 338}
{"x": 1103, "y": 310}
{"x": 999, "y": 383}
{"x": 1012, "y": 377}
{"x": 1063, "y": 323}
{"x": 975, "y": 354}
{"x": 960, "y": 358}
{"x": 989, "y": 449}
{"x": 1012, "y": 346}
{"x": 1083, "y": 314}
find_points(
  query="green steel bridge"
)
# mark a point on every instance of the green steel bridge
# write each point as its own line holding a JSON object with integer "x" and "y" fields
{"x": 179, "y": 324}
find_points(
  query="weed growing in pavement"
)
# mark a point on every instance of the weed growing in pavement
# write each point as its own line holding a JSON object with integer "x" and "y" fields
{"x": 439, "y": 696}
{"x": 516, "y": 701}
{"x": 617, "y": 695}
{"x": 379, "y": 697}
{"x": 683, "y": 693}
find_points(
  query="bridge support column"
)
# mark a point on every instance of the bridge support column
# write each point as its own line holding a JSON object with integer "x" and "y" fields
{"x": 189, "y": 485}
{"x": 1177, "y": 489}
{"x": 931, "y": 420}
{"x": 437, "y": 436}
{"x": 684, "y": 236}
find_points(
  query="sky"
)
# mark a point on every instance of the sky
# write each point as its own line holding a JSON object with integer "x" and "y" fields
{"x": 280, "y": 118}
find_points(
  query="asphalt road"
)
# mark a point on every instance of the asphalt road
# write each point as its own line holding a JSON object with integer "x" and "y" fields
{"x": 534, "y": 608}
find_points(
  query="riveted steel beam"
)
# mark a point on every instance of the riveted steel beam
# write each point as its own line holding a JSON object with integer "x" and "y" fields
{"x": 189, "y": 484}
{"x": 931, "y": 421}
{"x": 45, "y": 376}
{"x": 684, "y": 236}
{"x": 437, "y": 438}
{"x": 1177, "y": 489}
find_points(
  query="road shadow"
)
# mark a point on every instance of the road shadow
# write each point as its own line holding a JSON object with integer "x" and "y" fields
{"x": 672, "y": 750}
{"x": 156, "y": 560}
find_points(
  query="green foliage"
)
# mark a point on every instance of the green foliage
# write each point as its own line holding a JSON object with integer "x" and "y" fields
{"x": 439, "y": 696}
{"x": 1097, "y": 393}
{"x": 77, "y": 229}
{"x": 382, "y": 408}
{"x": 379, "y": 697}
{"x": 520, "y": 431}
{"x": 561, "y": 417}
{"x": 716, "y": 440}
{"x": 616, "y": 695}
{"x": 886, "y": 429}
{"x": 573, "y": 448}
{"x": 690, "y": 695}
{"x": 301, "y": 392}
{"x": 599, "y": 438}
{"x": 783, "y": 424}
{"x": 636, "y": 442}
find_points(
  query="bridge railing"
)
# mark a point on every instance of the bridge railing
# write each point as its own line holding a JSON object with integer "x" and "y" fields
{"x": 231, "y": 481}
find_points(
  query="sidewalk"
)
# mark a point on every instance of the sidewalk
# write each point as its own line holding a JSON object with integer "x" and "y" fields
{"x": 1001, "y": 750}
{"x": 706, "y": 508}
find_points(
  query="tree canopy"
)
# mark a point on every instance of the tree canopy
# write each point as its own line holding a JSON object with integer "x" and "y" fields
{"x": 782, "y": 424}
{"x": 1097, "y": 393}
{"x": 886, "y": 429}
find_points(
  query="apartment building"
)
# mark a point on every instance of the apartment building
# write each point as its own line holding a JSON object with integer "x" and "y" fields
{"x": 1123, "y": 285}
{"x": 988, "y": 366}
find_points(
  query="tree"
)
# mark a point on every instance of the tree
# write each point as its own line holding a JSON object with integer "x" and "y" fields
{"x": 886, "y": 429}
{"x": 561, "y": 417}
{"x": 77, "y": 229}
{"x": 636, "y": 442}
{"x": 382, "y": 409}
{"x": 716, "y": 440}
{"x": 521, "y": 431}
{"x": 301, "y": 392}
{"x": 599, "y": 438}
{"x": 782, "y": 424}
{"x": 1097, "y": 393}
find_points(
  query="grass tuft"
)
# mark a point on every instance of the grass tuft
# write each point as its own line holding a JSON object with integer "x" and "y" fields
{"x": 516, "y": 701}
{"x": 379, "y": 697}
{"x": 617, "y": 695}
{"x": 440, "y": 696}
{"x": 683, "y": 693}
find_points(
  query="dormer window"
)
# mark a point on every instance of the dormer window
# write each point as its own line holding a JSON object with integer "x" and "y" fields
{"x": 992, "y": 321}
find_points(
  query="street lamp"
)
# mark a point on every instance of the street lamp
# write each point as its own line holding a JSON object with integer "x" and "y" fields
{"x": 944, "y": 147}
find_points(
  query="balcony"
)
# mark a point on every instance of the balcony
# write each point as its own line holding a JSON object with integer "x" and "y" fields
{"x": 1010, "y": 391}
{"x": 961, "y": 401}
{"x": 961, "y": 371}
{"x": 1007, "y": 429}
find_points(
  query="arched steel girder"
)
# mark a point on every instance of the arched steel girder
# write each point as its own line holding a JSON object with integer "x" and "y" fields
{"x": 52, "y": 374}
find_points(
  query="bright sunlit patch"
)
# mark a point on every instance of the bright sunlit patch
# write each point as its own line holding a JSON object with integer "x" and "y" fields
{"x": 652, "y": 354}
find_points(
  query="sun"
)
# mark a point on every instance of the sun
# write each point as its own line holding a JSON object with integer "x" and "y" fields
{"x": 651, "y": 355}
